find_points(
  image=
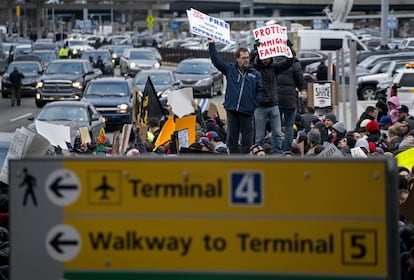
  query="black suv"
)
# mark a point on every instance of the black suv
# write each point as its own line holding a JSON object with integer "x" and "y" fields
{"x": 112, "y": 97}
{"x": 65, "y": 79}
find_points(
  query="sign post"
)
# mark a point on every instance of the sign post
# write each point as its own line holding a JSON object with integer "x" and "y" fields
{"x": 187, "y": 218}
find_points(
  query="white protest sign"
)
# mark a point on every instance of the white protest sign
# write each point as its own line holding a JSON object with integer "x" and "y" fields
{"x": 57, "y": 135}
{"x": 322, "y": 95}
{"x": 180, "y": 101}
{"x": 331, "y": 151}
{"x": 273, "y": 41}
{"x": 207, "y": 26}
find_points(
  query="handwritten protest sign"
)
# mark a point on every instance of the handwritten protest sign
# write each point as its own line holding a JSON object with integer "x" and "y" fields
{"x": 273, "y": 41}
{"x": 207, "y": 26}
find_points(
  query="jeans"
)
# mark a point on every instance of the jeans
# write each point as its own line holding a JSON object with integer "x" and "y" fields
{"x": 261, "y": 115}
{"x": 239, "y": 124}
{"x": 288, "y": 116}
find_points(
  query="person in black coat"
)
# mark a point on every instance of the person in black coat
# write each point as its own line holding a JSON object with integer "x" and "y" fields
{"x": 16, "y": 82}
{"x": 289, "y": 83}
{"x": 268, "y": 109}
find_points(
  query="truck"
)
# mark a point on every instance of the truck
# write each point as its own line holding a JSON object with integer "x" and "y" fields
{"x": 65, "y": 79}
{"x": 327, "y": 40}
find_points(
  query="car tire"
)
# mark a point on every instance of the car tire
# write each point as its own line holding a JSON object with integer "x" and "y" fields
{"x": 40, "y": 103}
{"x": 211, "y": 95}
{"x": 220, "y": 91}
{"x": 368, "y": 92}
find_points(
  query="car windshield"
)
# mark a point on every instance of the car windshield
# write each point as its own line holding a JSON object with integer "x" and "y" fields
{"x": 142, "y": 55}
{"x": 64, "y": 68}
{"x": 107, "y": 89}
{"x": 156, "y": 79}
{"x": 104, "y": 56}
{"x": 47, "y": 57}
{"x": 24, "y": 68}
{"x": 63, "y": 113}
{"x": 193, "y": 68}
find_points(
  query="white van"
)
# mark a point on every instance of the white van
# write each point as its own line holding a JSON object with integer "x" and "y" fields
{"x": 327, "y": 40}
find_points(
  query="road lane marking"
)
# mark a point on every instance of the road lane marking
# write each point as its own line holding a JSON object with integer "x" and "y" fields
{"x": 21, "y": 117}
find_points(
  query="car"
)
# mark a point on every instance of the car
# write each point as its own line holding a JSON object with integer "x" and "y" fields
{"x": 381, "y": 74}
{"x": 32, "y": 71}
{"x": 65, "y": 79}
{"x": 143, "y": 41}
{"x": 106, "y": 59}
{"x": 162, "y": 79}
{"x": 201, "y": 75}
{"x": 81, "y": 113}
{"x": 134, "y": 60}
{"x": 115, "y": 50}
{"x": 404, "y": 84}
{"x": 112, "y": 97}
{"x": 76, "y": 47}
{"x": 309, "y": 57}
{"x": 46, "y": 56}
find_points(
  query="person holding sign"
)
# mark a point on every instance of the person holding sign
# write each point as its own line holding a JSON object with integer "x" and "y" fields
{"x": 243, "y": 91}
{"x": 268, "y": 109}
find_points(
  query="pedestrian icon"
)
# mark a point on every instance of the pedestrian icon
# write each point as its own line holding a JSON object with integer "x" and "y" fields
{"x": 104, "y": 188}
{"x": 30, "y": 182}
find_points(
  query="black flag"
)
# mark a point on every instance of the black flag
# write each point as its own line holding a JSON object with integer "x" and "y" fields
{"x": 150, "y": 104}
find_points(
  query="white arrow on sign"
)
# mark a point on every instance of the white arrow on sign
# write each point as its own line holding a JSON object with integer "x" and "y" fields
{"x": 63, "y": 242}
{"x": 62, "y": 187}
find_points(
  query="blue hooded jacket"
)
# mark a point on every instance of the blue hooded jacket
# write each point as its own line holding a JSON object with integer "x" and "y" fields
{"x": 244, "y": 88}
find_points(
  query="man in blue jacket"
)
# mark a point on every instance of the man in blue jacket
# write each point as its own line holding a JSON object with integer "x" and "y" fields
{"x": 243, "y": 91}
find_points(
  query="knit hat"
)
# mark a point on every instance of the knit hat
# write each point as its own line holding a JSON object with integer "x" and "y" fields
{"x": 364, "y": 123}
{"x": 385, "y": 120}
{"x": 314, "y": 136}
{"x": 331, "y": 117}
{"x": 211, "y": 134}
{"x": 372, "y": 126}
{"x": 340, "y": 127}
{"x": 205, "y": 141}
{"x": 362, "y": 143}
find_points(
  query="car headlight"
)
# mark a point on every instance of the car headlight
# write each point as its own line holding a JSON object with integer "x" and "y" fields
{"x": 77, "y": 85}
{"x": 114, "y": 55}
{"x": 157, "y": 65}
{"x": 204, "y": 82}
{"x": 163, "y": 94}
{"x": 123, "y": 108}
{"x": 74, "y": 51}
{"x": 39, "y": 85}
{"x": 133, "y": 65}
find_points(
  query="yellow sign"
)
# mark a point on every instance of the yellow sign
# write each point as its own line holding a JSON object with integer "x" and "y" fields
{"x": 206, "y": 186}
{"x": 275, "y": 244}
{"x": 150, "y": 21}
{"x": 17, "y": 10}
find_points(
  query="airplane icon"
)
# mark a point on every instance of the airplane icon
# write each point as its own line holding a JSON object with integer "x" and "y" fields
{"x": 104, "y": 188}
